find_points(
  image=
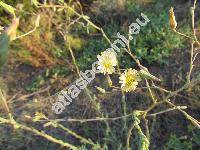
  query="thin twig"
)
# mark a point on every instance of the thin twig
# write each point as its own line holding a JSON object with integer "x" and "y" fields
{"x": 39, "y": 133}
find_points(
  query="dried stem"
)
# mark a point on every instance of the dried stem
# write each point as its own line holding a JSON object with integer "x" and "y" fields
{"x": 3, "y": 100}
{"x": 39, "y": 133}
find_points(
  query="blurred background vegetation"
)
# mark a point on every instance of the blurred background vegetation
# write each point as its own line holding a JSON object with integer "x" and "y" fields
{"x": 41, "y": 61}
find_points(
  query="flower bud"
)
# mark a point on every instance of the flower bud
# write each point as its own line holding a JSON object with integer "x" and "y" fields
{"x": 172, "y": 19}
{"x": 109, "y": 80}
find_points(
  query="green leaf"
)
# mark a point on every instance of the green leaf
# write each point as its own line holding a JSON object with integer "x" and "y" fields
{"x": 4, "y": 43}
{"x": 101, "y": 89}
{"x": 38, "y": 116}
{"x": 62, "y": 1}
{"x": 8, "y": 8}
{"x": 51, "y": 123}
{"x": 145, "y": 74}
{"x": 35, "y": 2}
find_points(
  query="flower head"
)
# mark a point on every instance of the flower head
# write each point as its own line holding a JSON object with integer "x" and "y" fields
{"x": 129, "y": 80}
{"x": 107, "y": 61}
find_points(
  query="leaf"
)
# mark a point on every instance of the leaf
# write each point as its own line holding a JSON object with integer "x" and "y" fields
{"x": 8, "y": 8}
{"x": 14, "y": 123}
{"x": 142, "y": 140}
{"x": 47, "y": 124}
{"x": 38, "y": 116}
{"x": 4, "y": 43}
{"x": 62, "y": 1}
{"x": 35, "y": 2}
{"x": 101, "y": 90}
{"x": 145, "y": 74}
{"x": 51, "y": 123}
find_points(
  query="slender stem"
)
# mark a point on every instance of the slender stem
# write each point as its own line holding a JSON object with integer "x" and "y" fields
{"x": 182, "y": 34}
{"x": 129, "y": 136}
{"x": 23, "y": 35}
{"x": 171, "y": 94}
{"x": 167, "y": 110}
{"x": 122, "y": 117}
{"x": 74, "y": 59}
{"x": 37, "y": 132}
{"x": 78, "y": 72}
{"x": 99, "y": 119}
{"x": 82, "y": 139}
{"x": 193, "y": 120}
{"x": 191, "y": 62}
{"x": 150, "y": 91}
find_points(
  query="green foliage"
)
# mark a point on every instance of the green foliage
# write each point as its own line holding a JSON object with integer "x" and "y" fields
{"x": 57, "y": 71}
{"x": 195, "y": 134}
{"x": 36, "y": 83}
{"x": 176, "y": 143}
{"x": 49, "y": 75}
{"x": 156, "y": 42}
{"x": 89, "y": 52}
{"x": 187, "y": 143}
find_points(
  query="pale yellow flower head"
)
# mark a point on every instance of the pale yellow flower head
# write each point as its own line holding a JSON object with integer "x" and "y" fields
{"x": 107, "y": 62}
{"x": 129, "y": 80}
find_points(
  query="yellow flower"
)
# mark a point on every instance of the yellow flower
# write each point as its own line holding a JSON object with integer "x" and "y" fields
{"x": 129, "y": 80}
{"x": 172, "y": 19}
{"x": 107, "y": 61}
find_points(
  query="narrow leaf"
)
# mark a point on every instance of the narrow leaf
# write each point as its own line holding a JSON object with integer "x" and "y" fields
{"x": 35, "y": 2}
{"x": 101, "y": 90}
{"x": 145, "y": 74}
{"x": 8, "y": 8}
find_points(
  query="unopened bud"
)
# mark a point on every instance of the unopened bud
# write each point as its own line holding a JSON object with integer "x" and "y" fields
{"x": 172, "y": 19}
{"x": 109, "y": 80}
